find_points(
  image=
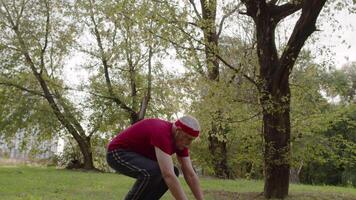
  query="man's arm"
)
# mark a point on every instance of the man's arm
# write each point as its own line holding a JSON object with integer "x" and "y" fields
{"x": 167, "y": 169}
{"x": 191, "y": 177}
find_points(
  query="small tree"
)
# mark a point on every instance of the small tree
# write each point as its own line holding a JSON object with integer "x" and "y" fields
{"x": 31, "y": 35}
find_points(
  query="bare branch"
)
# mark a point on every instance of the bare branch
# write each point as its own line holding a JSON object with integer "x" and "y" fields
{"x": 246, "y": 119}
{"x": 114, "y": 35}
{"x": 175, "y": 43}
{"x": 235, "y": 69}
{"x": 43, "y": 50}
{"x": 18, "y": 18}
{"x": 8, "y": 16}
{"x": 195, "y": 8}
{"x": 225, "y": 17}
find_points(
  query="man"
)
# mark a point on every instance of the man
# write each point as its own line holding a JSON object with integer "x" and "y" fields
{"x": 143, "y": 151}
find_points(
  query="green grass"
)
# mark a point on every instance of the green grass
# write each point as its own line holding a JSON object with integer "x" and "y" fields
{"x": 36, "y": 183}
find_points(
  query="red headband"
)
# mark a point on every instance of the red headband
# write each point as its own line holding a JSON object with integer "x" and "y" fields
{"x": 187, "y": 129}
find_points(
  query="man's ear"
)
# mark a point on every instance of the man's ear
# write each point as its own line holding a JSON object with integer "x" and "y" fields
{"x": 179, "y": 131}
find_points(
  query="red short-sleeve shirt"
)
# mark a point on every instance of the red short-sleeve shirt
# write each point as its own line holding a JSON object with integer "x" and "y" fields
{"x": 146, "y": 134}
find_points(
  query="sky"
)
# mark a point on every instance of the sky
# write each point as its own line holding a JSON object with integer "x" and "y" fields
{"x": 342, "y": 41}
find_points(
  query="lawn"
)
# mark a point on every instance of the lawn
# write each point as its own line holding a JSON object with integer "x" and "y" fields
{"x": 37, "y": 183}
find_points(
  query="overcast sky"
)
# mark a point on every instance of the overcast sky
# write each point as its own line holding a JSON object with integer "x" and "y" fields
{"x": 342, "y": 42}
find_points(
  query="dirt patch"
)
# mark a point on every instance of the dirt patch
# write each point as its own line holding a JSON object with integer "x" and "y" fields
{"x": 227, "y": 195}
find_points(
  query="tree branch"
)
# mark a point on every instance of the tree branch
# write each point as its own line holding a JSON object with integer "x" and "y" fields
{"x": 68, "y": 112}
{"x": 251, "y": 8}
{"x": 147, "y": 97}
{"x": 280, "y": 12}
{"x": 195, "y": 8}
{"x": 7, "y": 46}
{"x": 104, "y": 60}
{"x": 246, "y": 119}
{"x": 18, "y": 18}
{"x": 273, "y": 2}
{"x": 43, "y": 50}
{"x": 34, "y": 92}
{"x": 304, "y": 27}
{"x": 235, "y": 69}
{"x": 225, "y": 17}
{"x": 116, "y": 100}
{"x": 8, "y": 16}
{"x": 97, "y": 126}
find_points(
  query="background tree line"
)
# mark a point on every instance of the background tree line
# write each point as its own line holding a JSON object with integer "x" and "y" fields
{"x": 264, "y": 104}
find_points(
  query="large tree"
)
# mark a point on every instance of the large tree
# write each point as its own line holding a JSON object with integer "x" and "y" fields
{"x": 275, "y": 66}
{"x": 274, "y": 81}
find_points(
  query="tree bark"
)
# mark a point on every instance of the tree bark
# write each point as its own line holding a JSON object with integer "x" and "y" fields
{"x": 276, "y": 131}
{"x": 218, "y": 149}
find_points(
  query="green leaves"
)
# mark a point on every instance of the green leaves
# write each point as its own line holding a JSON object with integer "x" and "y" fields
{"x": 342, "y": 83}
{"x": 23, "y": 110}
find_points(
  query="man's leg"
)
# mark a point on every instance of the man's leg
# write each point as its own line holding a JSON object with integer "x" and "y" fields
{"x": 146, "y": 171}
{"x": 160, "y": 188}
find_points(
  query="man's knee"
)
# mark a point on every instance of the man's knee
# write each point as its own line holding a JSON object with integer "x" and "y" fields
{"x": 156, "y": 172}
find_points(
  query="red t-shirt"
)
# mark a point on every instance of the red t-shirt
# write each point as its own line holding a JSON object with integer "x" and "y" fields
{"x": 146, "y": 134}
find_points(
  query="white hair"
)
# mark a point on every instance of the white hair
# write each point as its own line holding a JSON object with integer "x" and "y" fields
{"x": 191, "y": 122}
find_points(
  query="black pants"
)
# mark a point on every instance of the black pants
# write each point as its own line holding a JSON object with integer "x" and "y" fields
{"x": 149, "y": 183}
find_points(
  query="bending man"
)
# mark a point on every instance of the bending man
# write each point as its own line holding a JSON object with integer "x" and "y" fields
{"x": 144, "y": 151}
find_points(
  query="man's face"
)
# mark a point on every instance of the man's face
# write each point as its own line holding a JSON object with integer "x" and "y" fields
{"x": 183, "y": 140}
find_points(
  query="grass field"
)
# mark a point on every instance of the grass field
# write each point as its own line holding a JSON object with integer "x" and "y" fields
{"x": 37, "y": 183}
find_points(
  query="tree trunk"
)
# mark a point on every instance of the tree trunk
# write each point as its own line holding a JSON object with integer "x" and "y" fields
{"x": 218, "y": 151}
{"x": 275, "y": 101}
{"x": 217, "y": 148}
{"x": 87, "y": 154}
{"x": 276, "y": 131}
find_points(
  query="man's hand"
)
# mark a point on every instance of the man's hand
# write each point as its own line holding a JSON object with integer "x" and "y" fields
{"x": 191, "y": 177}
{"x": 167, "y": 169}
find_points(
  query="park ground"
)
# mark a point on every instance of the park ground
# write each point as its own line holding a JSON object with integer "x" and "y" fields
{"x": 42, "y": 183}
